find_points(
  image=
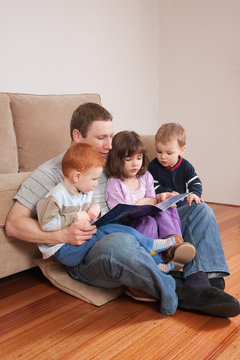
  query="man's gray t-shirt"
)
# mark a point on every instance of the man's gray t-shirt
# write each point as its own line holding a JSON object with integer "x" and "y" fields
{"x": 45, "y": 177}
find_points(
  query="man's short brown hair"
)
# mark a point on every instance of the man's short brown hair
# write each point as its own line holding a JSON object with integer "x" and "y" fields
{"x": 85, "y": 115}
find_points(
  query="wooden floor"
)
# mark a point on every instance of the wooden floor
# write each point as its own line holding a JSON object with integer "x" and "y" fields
{"x": 38, "y": 321}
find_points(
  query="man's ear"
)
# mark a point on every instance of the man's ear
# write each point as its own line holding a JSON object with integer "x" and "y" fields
{"x": 76, "y": 176}
{"x": 77, "y": 136}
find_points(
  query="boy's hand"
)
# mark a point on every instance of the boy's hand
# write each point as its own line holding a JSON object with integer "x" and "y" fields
{"x": 83, "y": 217}
{"x": 94, "y": 211}
{"x": 192, "y": 198}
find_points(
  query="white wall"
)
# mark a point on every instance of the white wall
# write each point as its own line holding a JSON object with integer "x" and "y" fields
{"x": 73, "y": 46}
{"x": 152, "y": 61}
{"x": 200, "y": 88}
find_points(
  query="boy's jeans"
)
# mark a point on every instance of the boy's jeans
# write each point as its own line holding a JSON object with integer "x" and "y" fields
{"x": 118, "y": 259}
{"x": 72, "y": 255}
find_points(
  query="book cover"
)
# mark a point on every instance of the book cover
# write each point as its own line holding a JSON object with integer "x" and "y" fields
{"x": 124, "y": 214}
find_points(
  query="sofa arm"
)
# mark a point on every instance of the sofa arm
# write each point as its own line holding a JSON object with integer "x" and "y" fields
{"x": 9, "y": 185}
{"x": 15, "y": 255}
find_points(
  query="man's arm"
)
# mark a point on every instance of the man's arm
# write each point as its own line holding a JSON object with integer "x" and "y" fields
{"x": 20, "y": 224}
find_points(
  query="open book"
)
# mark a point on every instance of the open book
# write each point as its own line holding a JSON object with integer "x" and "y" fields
{"x": 124, "y": 214}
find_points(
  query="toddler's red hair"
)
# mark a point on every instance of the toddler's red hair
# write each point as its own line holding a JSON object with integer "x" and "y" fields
{"x": 81, "y": 157}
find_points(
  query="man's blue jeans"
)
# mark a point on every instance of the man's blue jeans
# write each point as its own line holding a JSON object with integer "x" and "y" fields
{"x": 199, "y": 227}
{"x": 118, "y": 259}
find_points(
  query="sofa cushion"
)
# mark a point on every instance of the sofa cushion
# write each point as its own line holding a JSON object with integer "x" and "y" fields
{"x": 9, "y": 185}
{"x": 15, "y": 255}
{"x": 8, "y": 145}
{"x": 58, "y": 276}
{"x": 42, "y": 125}
{"x": 149, "y": 143}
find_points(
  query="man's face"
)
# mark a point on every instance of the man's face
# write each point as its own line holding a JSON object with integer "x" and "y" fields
{"x": 99, "y": 136}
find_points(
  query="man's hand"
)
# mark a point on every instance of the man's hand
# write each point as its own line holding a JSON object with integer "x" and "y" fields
{"x": 78, "y": 233}
{"x": 192, "y": 198}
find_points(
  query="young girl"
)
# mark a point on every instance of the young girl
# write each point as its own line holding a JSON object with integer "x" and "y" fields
{"x": 130, "y": 183}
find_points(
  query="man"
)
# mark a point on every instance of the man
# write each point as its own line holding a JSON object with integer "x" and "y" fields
{"x": 118, "y": 259}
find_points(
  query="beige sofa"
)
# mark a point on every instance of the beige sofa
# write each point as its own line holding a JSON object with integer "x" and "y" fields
{"x": 33, "y": 129}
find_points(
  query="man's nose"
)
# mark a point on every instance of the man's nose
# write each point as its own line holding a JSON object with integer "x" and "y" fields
{"x": 108, "y": 144}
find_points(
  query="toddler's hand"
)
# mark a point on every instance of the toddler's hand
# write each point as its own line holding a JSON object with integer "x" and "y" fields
{"x": 83, "y": 216}
{"x": 94, "y": 212}
{"x": 195, "y": 198}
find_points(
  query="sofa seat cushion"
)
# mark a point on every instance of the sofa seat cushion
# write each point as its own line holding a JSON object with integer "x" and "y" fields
{"x": 8, "y": 145}
{"x": 42, "y": 125}
{"x": 58, "y": 276}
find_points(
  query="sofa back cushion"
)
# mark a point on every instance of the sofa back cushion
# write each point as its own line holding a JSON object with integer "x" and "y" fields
{"x": 8, "y": 145}
{"x": 42, "y": 125}
{"x": 149, "y": 143}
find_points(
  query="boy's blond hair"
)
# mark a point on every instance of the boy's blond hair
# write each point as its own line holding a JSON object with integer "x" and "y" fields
{"x": 170, "y": 131}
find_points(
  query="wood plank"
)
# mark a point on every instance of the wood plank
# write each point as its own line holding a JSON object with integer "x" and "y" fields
{"x": 232, "y": 352}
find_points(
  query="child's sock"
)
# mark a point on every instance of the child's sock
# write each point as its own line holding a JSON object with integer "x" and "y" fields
{"x": 163, "y": 244}
{"x": 198, "y": 281}
{"x": 165, "y": 267}
{"x": 160, "y": 245}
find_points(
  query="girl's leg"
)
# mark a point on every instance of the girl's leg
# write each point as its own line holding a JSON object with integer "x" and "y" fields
{"x": 147, "y": 226}
{"x": 168, "y": 223}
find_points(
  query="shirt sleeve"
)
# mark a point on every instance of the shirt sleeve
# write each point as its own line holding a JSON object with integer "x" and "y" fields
{"x": 193, "y": 182}
{"x": 50, "y": 217}
{"x": 114, "y": 193}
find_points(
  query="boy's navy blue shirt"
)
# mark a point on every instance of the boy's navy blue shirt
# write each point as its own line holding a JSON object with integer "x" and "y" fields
{"x": 180, "y": 177}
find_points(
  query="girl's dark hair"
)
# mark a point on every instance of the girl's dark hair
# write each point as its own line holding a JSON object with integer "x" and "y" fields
{"x": 124, "y": 144}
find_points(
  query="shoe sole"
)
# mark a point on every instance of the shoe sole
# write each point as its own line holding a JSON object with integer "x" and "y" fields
{"x": 182, "y": 255}
{"x": 140, "y": 298}
{"x": 219, "y": 310}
